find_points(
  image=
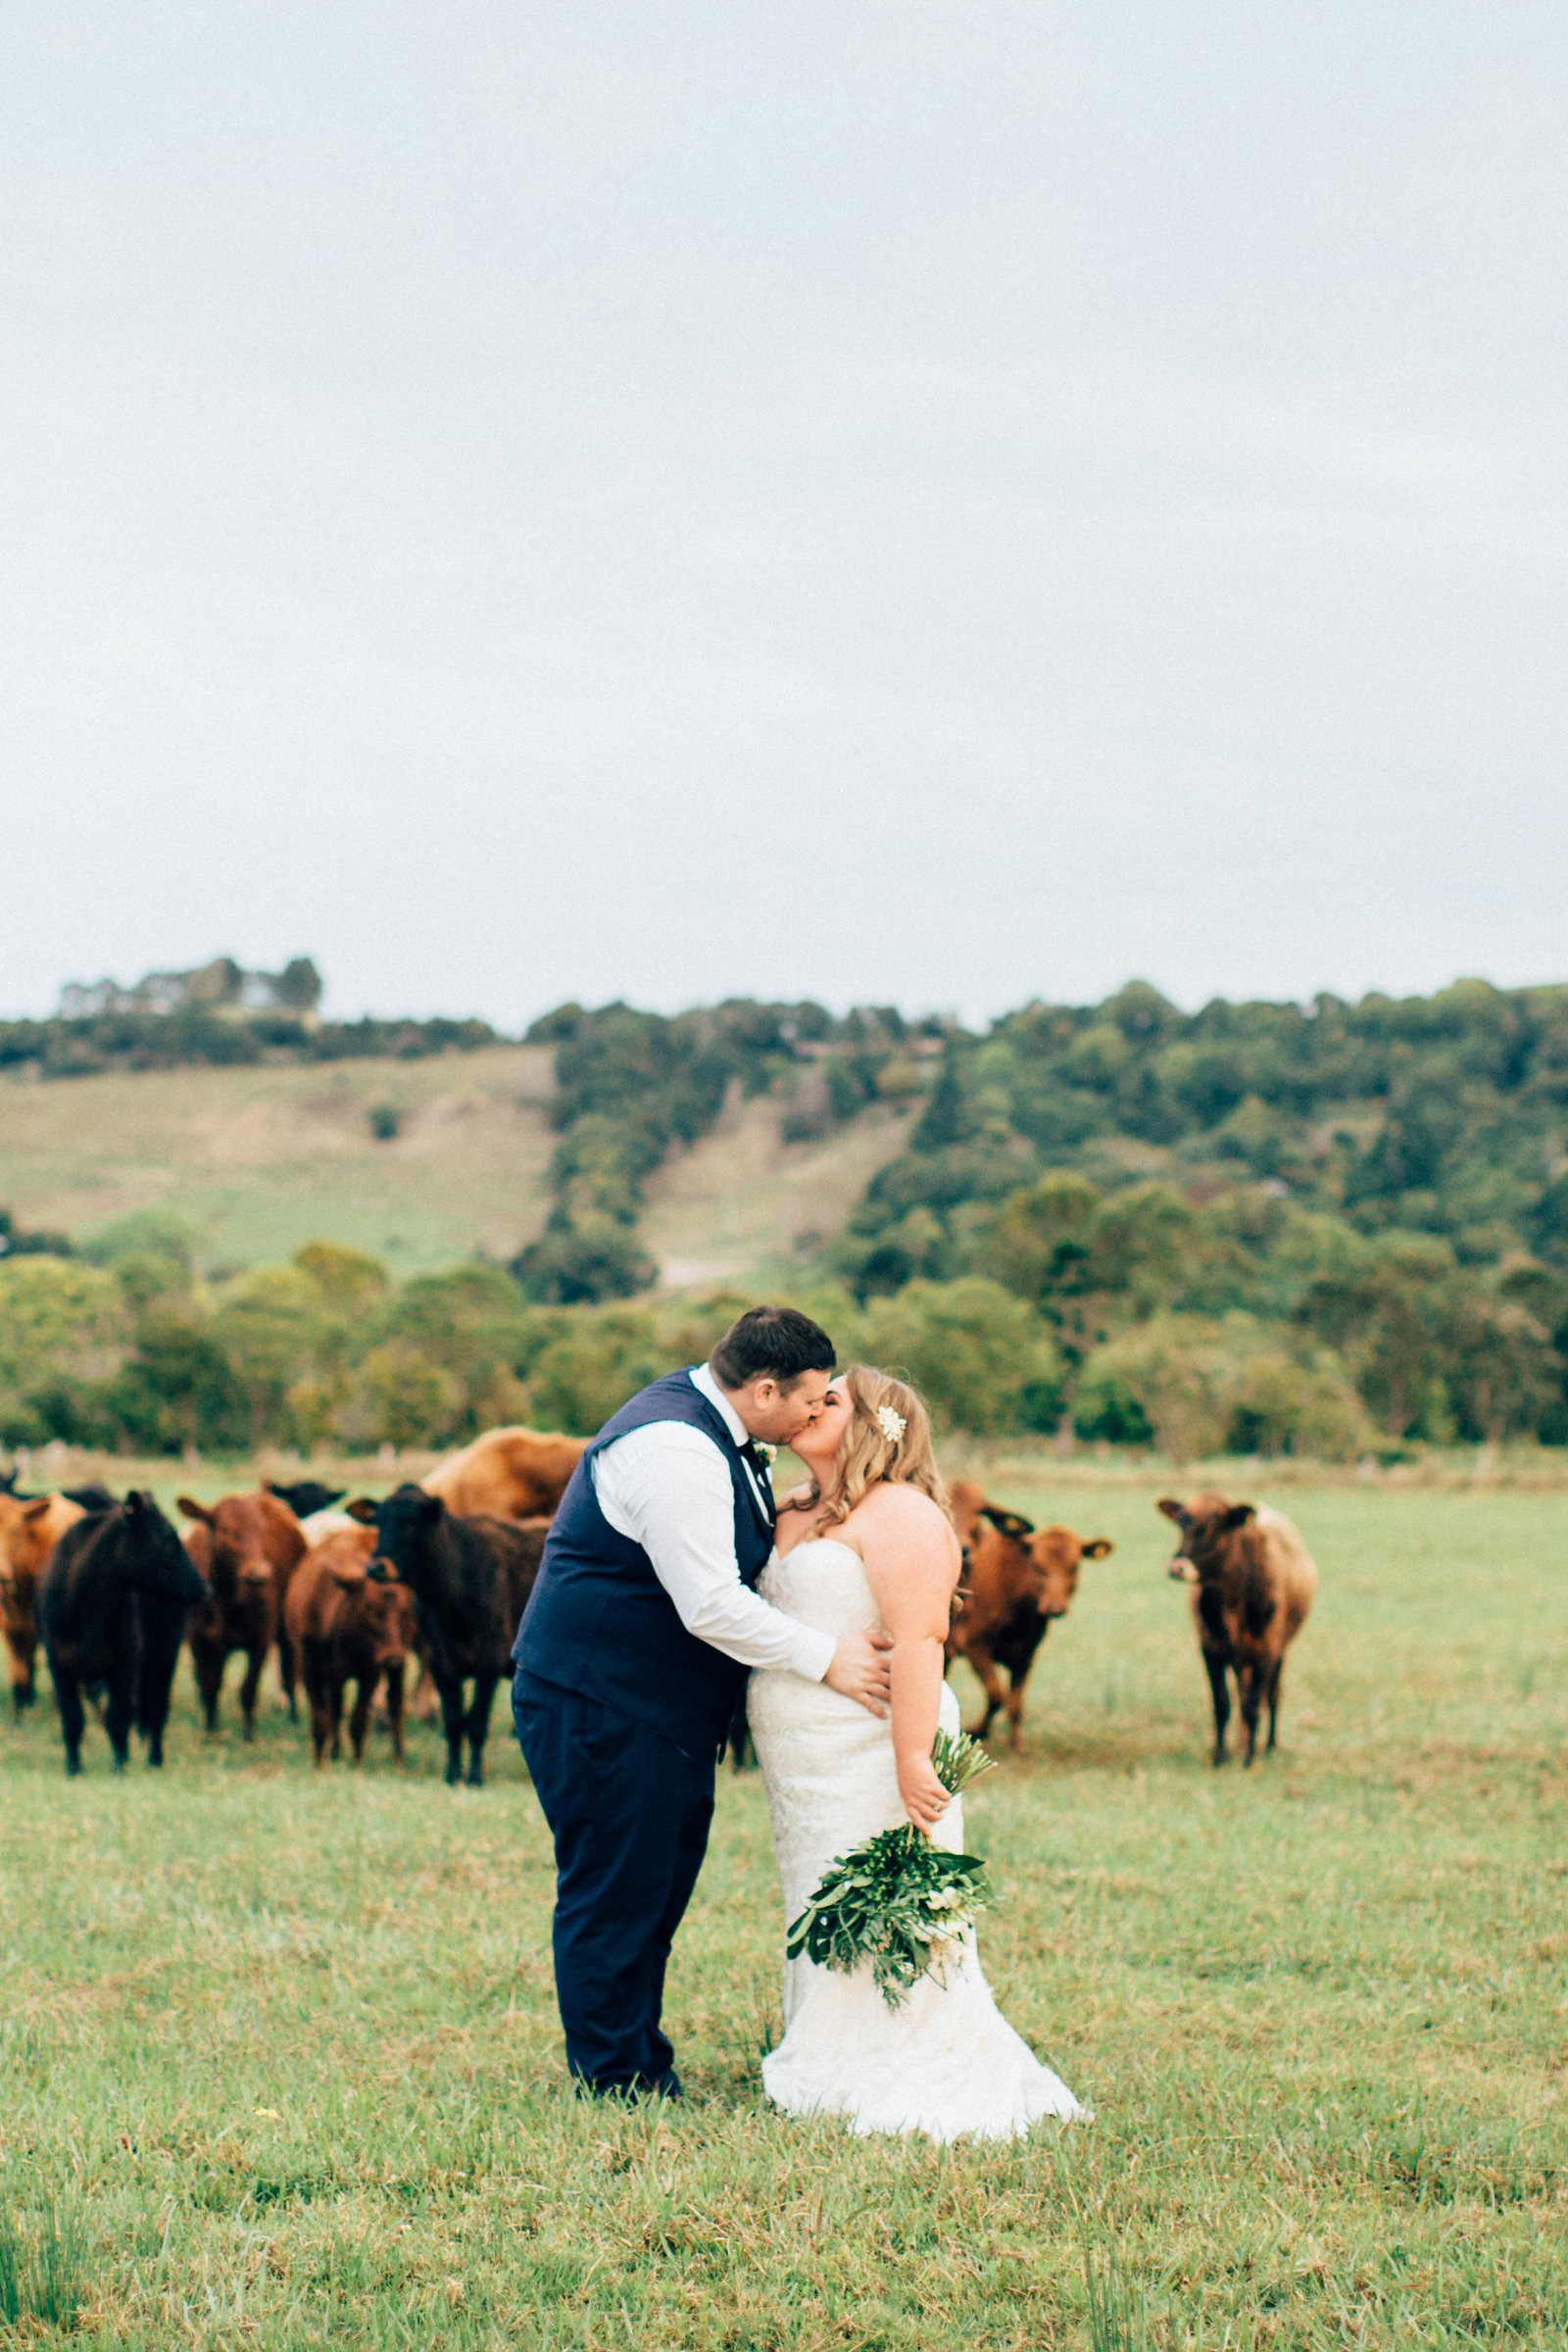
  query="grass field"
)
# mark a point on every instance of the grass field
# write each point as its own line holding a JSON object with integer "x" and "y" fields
{"x": 280, "y": 2062}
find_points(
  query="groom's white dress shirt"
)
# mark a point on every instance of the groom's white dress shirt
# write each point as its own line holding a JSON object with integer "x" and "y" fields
{"x": 668, "y": 1487}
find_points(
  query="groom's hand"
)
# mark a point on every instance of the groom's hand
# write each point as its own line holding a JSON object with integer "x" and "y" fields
{"x": 860, "y": 1670}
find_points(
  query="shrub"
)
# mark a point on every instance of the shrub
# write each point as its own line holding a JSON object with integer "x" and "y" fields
{"x": 978, "y": 1356}
{"x": 596, "y": 1362}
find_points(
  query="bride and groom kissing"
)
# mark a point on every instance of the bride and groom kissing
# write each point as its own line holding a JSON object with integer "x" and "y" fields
{"x": 667, "y": 1576}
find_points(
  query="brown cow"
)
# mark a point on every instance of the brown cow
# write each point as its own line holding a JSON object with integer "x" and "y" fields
{"x": 1016, "y": 1579}
{"x": 344, "y": 1629}
{"x": 28, "y": 1533}
{"x": 470, "y": 1574}
{"x": 1253, "y": 1581}
{"x": 514, "y": 1473}
{"x": 247, "y": 1546}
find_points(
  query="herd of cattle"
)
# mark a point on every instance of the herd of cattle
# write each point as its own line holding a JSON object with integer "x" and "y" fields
{"x": 437, "y": 1575}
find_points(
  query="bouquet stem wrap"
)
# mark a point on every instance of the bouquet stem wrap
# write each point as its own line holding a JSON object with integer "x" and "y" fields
{"x": 895, "y": 1900}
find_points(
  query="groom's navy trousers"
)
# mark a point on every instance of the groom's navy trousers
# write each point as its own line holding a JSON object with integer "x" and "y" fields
{"x": 630, "y": 1815}
{"x": 621, "y": 1713}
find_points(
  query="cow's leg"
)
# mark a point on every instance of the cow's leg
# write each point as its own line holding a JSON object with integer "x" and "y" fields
{"x": 73, "y": 1715}
{"x": 1220, "y": 1692}
{"x": 209, "y": 1662}
{"x": 118, "y": 1714}
{"x": 1274, "y": 1681}
{"x": 319, "y": 1699}
{"x": 1019, "y": 1676}
{"x": 359, "y": 1720}
{"x": 255, "y": 1660}
{"x": 1251, "y": 1679}
{"x": 287, "y": 1673}
{"x": 451, "y": 1693}
{"x": 23, "y": 1682}
{"x": 154, "y": 1717}
{"x": 484, "y": 1691}
{"x": 393, "y": 1708}
{"x": 985, "y": 1666}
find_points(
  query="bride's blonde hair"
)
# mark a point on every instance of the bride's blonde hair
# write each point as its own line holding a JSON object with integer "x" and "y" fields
{"x": 873, "y": 1447}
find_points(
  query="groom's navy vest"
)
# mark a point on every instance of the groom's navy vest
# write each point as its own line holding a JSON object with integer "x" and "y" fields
{"x": 599, "y": 1620}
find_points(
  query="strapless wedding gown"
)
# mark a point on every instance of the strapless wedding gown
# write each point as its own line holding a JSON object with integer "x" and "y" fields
{"x": 945, "y": 2062}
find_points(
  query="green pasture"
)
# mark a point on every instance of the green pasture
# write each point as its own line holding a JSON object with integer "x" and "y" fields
{"x": 259, "y": 1159}
{"x": 278, "y": 2060}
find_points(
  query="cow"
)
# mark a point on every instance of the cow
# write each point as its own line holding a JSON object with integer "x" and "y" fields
{"x": 470, "y": 1574}
{"x": 94, "y": 1495}
{"x": 513, "y": 1473}
{"x": 304, "y": 1495}
{"x": 1017, "y": 1579}
{"x": 1252, "y": 1582}
{"x": 111, "y": 1611}
{"x": 316, "y": 1526}
{"x": 247, "y": 1546}
{"x": 345, "y": 1629}
{"x": 28, "y": 1533}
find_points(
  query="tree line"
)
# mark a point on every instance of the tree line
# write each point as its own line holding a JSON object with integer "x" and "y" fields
{"x": 1323, "y": 1229}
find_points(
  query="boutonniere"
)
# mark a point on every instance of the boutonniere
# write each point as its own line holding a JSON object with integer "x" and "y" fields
{"x": 767, "y": 1454}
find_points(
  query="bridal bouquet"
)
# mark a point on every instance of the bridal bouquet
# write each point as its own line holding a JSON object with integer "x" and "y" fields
{"x": 895, "y": 1900}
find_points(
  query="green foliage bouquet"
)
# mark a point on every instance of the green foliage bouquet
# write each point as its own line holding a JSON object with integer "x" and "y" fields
{"x": 895, "y": 1900}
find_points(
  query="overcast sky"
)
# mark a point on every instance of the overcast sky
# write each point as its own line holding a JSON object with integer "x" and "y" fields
{"x": 932, "y": 503}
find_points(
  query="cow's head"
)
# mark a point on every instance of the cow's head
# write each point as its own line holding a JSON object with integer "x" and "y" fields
{"x": 238, "y": 1558}
{"x": 156, "y": 1561}
{"x": 1209, "y": 1526}
{"x": 1057, "y": 1554}
{"x": 306, "y": 1496}
{"x": 404, "y": 1524}
{"x": 390, "y": 1611}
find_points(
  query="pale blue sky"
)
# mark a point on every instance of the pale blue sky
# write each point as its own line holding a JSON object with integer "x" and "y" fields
{"x": 932, "y": 503}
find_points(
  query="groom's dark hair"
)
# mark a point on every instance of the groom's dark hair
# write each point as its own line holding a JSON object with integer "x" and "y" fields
{"x": 770, "y": 1343}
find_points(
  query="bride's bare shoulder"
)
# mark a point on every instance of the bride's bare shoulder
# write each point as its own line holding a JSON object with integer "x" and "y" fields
{"x": 893, "y": 1512}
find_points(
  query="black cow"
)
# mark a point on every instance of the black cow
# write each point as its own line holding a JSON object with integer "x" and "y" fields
{"x": 112, "y": 1610}
{"x": 93, "y": 1497}
{"x": 470, "y": 1574}
{"x": 307, "y": 1494}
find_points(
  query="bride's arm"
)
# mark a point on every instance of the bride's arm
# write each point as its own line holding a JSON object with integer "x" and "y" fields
{"x": 913, "y": 1562}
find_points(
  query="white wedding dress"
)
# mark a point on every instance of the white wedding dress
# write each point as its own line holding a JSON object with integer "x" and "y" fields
{"x": 944, "y": 2061}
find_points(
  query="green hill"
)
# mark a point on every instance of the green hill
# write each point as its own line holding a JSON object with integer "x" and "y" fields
{"x": 257, "y": 1161}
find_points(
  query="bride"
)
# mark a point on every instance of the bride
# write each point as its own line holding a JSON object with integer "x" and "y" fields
{"x": 868, "y": 1545}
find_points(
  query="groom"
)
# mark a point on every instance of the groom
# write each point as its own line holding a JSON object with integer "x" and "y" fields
{"x": 630, "y": 1658}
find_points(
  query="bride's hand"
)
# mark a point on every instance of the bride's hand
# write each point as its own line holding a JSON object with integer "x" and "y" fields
{"x": 925, "y": 1801}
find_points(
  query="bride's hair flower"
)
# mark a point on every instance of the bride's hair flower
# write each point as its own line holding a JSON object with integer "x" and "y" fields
{"x": 892, "y": 1424}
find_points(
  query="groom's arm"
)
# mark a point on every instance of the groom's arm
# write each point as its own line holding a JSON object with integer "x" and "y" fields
{"x": 667, "y": 1487}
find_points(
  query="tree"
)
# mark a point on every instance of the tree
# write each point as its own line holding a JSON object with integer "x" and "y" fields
{"x": 399, "y": 1398}
{"x": 298, "y": 986}
{"x": 978, "y": 1356}
{"x": 584, "y": 1261}
{"x": 597, "y": 1360}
